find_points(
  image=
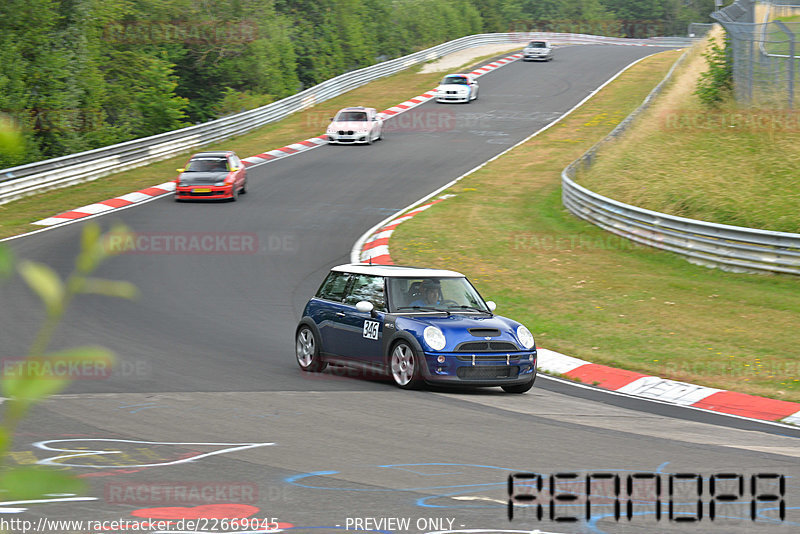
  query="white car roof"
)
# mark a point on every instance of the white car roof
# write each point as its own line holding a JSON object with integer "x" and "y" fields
{"x": 396, "y": 271}
{"x": 356, "y": 108}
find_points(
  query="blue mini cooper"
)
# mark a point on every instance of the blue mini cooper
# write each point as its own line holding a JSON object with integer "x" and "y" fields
{"x": 417, "y": 325}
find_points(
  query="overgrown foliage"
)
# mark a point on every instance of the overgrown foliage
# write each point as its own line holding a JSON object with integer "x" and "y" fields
{"x": 81, "y": 74}
{"x": 40, "y": 374}
{"x": 715, "y": 85}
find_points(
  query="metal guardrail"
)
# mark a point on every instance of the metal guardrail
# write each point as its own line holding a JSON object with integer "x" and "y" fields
{"x": 730, "y": 248}
{"x": 17, "y": 182}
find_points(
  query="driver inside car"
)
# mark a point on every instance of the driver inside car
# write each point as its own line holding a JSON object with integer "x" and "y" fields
{"x": 430, "y": 294}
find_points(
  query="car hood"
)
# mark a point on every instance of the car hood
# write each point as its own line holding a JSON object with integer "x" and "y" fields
{"x": 457, "y": 326}
{"x": 204, "y": 178}
{"x": 349, "y": 125}
{"x": 452, "y": 87}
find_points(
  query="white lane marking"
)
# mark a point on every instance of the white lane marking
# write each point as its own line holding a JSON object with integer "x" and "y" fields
{"x": 5, "y": 506}
{"x": 229, "y": 447}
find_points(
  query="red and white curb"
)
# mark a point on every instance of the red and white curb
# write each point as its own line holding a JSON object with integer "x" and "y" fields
{"x": 265, "y": 157}
{"x": 109, "y": 205}
{"x": 671, "y": 391}
{"x": 284, "y": 151}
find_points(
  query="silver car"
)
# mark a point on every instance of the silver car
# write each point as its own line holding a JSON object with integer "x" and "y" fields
{"x": 537, "y": 51}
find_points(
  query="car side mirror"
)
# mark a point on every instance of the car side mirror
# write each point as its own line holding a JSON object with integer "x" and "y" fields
{"x": 331, "y": 119}
{"x": 364, "y": 306}
{"x": 181, "y": 170}
{"x": 491, "y": 305}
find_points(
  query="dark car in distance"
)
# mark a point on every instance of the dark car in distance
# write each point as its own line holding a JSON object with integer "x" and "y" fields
{"x": 212, "y": 176}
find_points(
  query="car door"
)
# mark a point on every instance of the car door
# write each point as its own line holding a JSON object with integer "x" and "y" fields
{"x": 330, "y": 309}
{"x": 360, "y": 334}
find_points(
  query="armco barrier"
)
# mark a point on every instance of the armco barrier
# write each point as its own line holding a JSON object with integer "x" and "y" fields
{"x": 32, "y": 178}
{"x": 730, "y": 248}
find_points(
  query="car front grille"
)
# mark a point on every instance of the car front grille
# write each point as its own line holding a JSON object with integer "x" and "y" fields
{"x": 206, "y": 193}
{"x": 488, "y": 372}
{"x": 345, "y": 132}
{"x": 489, "y": 357}
{"x": 487, "y": 346}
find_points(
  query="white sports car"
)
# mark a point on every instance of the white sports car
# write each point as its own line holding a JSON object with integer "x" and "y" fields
{"x": 537, "y": 51}
{"x": 355, "y": 125}
{"x": 457, "y": 88}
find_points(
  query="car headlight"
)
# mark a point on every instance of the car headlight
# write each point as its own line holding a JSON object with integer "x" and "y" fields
{"x": 434, "y": 338}
{"x": 525, "y": 337}
{"x": 219, "y": 183}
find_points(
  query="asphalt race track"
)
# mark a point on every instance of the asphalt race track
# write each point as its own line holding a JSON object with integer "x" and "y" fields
{"x": 207, "y": 392}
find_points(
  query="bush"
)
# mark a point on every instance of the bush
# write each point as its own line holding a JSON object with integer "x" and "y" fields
{"x": 716, "y": 84}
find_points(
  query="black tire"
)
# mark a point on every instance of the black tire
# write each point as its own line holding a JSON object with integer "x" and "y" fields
{"x": 244, "y": 187}
{"x": 306, "y": 351}
{"x": 404, "y": 366}
{"x": 519, "y": 388}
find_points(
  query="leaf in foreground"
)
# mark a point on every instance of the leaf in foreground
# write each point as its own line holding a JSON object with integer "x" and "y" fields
{"x": 35, "y": 482}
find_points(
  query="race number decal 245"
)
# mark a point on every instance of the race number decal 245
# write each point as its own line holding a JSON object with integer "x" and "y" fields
{"x": 371, "y": 329}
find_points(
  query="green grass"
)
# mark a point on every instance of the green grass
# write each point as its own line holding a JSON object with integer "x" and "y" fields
{"x": 16, "y": 217}
{"x": 729, "y": 165}
{"x": 589, "y": 294}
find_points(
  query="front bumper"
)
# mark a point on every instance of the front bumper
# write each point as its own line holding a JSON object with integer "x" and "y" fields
{"x": 348, "y": 138}
{"x": 202, "y": 192}
{"x": 536, "y": 57}
{"x": 444, "y": 97}
{"x": 480, "y": 369}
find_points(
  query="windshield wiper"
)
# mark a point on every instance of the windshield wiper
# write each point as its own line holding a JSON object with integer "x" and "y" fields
{"x": 426, "y": 308}
{"x": 473, "y": 308}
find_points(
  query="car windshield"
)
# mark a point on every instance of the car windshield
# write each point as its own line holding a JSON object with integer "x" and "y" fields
{"x": 207, "y": 165}
{"x": 460, "y": 80}
{"x": 351, "y": 116}
{"x": 537, "y": 44}
{"x": 434, "y": 294}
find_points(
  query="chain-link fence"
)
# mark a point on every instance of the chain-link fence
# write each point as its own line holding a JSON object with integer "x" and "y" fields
{"x": 700, "y": 29}
{"x": 766, "y": 54}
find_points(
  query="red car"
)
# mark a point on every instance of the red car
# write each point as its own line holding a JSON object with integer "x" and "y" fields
{"x": 212, "y": 175}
